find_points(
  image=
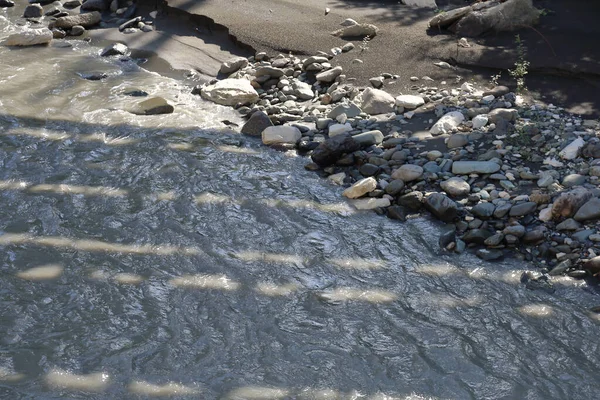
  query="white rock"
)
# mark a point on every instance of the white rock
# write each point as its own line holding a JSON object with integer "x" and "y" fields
{"x": 447, "y": 123}
{"x": 281, "y": 135}
{"x": 420, "y": 3}
{"x": 370, "y": 203}
{"x": 408, "y": 172}
{"x": 29, "y": 37}
{"x": 338, "y": 178}
{"x": 233, "y": 64}
{"x": 303, "y": 90}
{"x": 375, "y": 101}
{"x": 349, "y": 22}
{"x": 230, "y": 92}
{"x": 456, "y": 187}
{"x": 360, "y": 188}
{"x": 480, "y": 121}
{"x": 572, "y": 150}
{"x": 546, "y": 214}
{"x": 338, "y": 129}
{"x": 553, "y": 162}
{"x": 409, "y": 101}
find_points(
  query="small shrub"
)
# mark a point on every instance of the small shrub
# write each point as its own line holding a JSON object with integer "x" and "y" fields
{"x": 521, "y": 65}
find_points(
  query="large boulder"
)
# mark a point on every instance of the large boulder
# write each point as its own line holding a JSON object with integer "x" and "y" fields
{"x": 86, "y": 20}
{"x": 375, "y": 101}
{"x": 281, "y": 135}
{"x": 510, "y": 15}
{"x": 258, "y": 122}
{"x": 29, "y": 37}
{"x": 332, "y": 149}
{"x": 567, "y": 204}
{"x": 445, "y": 19}
{"x": 230, "y": 92}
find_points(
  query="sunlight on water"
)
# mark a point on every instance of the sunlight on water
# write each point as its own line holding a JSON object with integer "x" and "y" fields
{"x": 279, "y": 258}
{"x": 7, "y": 375}
{"x": 536, "y": 310}
{"x": 273, "y": 290}
{"x": 205, "y": 282}
{"x": 438, "y": 270}
{"x": 96, "y": 382}
{"x": 129, "y": 279}
{"x": 166, "y": 390}
{"x": 209, "y": 198}
{"x": 371, "y": 296}
{"x": 94, "y": 245}
{"x": 447, "y": 301}
{"x": 257, "y": 393}
{"x": 41, "y": 273}
{"x": 75, "y": 189}
{"x": 237, "y": 150}
{"x": 357, "y": 263}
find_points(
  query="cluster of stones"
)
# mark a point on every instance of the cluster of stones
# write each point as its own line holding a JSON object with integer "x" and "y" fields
{"x": 509, "y": 178}
{"x": 72, "y": 18}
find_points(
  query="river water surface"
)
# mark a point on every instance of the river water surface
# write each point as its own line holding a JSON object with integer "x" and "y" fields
{"x": 166, "y": 255}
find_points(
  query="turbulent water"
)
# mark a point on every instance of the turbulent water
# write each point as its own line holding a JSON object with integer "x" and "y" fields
{"x": 169, "y": 256}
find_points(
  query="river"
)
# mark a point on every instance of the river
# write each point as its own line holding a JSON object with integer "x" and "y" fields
{"x": 167, "y": 255}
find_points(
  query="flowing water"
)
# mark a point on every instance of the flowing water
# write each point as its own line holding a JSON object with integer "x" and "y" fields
{"x": 168, "y": 256}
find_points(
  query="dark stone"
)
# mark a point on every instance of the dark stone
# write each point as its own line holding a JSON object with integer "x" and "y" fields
{"x": 591, "y": 150}
{"x": 449, "y": 236}
{"x": 483, "y": 210}
{"x": 502, "y": 210}
{"x": 394, "y": 187}
{"x": 560, "y": 268}
{"x": 256, "y": 124}
{"x": 135, "y": 93}
{"x": 497, "y": 91}
{"x": 503, "y": 127}
{"x": 131, "y": 23}
{"x": 521, "y": 209}
{"x": 593, "y": 265}
{"x": 477, "y": 236}
{"x": 494, "y": 240}
{"x": 582, "y": 236}
{"x": 115, "y": 49}
{"x": 396, "y": 212}
{"x": 33, "y": 11}
{"x": 412, "y": 200}
{"x": 93, "y": 76}
{"x": 489, "y": 255}
{"x": 153, "y": 106}
{"x": 307, "y": 145}
{"x": 7, "y": 3}
{"x": 578, "y": 274}
{"x": 332, "y": 149}
{"x": 369, "y": 169}
{"x": 442, "y": 207}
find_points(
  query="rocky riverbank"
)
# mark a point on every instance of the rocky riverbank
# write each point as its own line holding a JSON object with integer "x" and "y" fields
{"x": 510, "y": 179}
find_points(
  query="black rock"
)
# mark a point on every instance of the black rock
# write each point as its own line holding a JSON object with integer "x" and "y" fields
{"x": 332, "y": 149}
{"x": 93, "y": 76}
{"x": 115, "y": 49}
{"x": 412, "y": 200}
{"x": 489, "y": 255}
{"x": 7, "y": 3}
{"x": 483, "y": 210}
{"x": 477, "y": 236}
{"x": 256, "y": 124}
{"x": 369, "y": 169}
{"x": 442, "y": 207}
{"x": 447, "y": 237}
{"x": 578, "y": 274}
{"x": 135, "y": 93}
{"x": 397, "y": 212}
{"x": 560, "y": 268}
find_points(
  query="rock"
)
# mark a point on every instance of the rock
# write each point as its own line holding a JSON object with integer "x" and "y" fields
{"x": 351, "y": 110}
{"x": 95, "y": 5}
{"x": 368, "y": 169}
{"x": 33, "y": 11}
{"x": 474, "y": 167}
{"x": 591, "y": 150}
{"x": 489, "y": 255}
{"x": 507, "y": 16}
{"x": 507, "y": 114}
{"x": 153, "y": 106}
{"x": 590, "y": 210}
{"x": 77, "y": 30}
{"x": 230, "y": 92}
{"x": 360, "y": 188}
{"x": 457, "y": 140}
{"x": 369, "y": 138}
{"x": 338, "y": 129}
{"x": 29, "y": 37}
{"x": 132, "y": 23}
{"x": 494, "y": 240}
{"x": 483, "y": 210}
{"x": 569, "y": 203}
{"x": 593, "y": 265}
{"x": 409, "y": 101}
{"x": 376, "y": 102}
{"x": 86, "y": 20}
{"x": 357, "y": 31}
{"x": 256, "y": 124}
{"x": 477, "y": 236}
{"x": 408, "y": 172}
{"x": 376, "y": 82}
{"x": 93, "y": 76}
{"x": 115, "y": 49}
{"x": 232, "y": 65}
{"x": 348, "y": 47}
{"x": 396, "y": 212}
{"x": 329, "y": 75}
{"x": 332, "y": 149}
{"x": 412, "y": 200}
{"x": 302, "y": 90}
{"x": 371, "y": 203}
{"x": 571, "y": 151}
{"x": 72, "y": 4}
{"x": 456, "y": 187}
{"x": 395, "y": 187}
{"x": 6, "y": 3}
{"x": 560, "y": 268}
{"x": 441, "y": 207}
{"x": 348, "y": 22}
{"x": 568, "y": 225}
{"x": 421, "y": 3}
{"x": 573, "y": 180}
{"x": 519, "y": 210}
{"x": 281, "y": 135}
{"x": 447, "y": 123}
{"x": 479, "y": 121}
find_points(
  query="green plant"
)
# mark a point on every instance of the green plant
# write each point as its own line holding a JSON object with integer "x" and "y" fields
{"x": 521, "y": 65}
{"x": 495, "y": 78}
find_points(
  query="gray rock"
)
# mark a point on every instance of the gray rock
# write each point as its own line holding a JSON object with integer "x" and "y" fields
{"x": 95, "y": 5}
{"x": 329, "y": 75}
{"x": 86, "y": 20}
{"x": 369, "y": 138}
{"x": 457, "y": 140}
{"x": 153, "y": 106}
{"x": 441, "y": 207}
{"x": 351, "y": 110}
{"x": 368, "y": 169}
{"x": 573, "y": 180}
{"x": 499, "y": 17}
{"x": 483, "y": 210}
{"x": 377, "y": 102}
{"x": 396, "y": 212}
{"x": 276, "y": 135}
{"x": 269, "y": 71}
{"x": 6, "y": 3}
{"x": 568, "y": 225}
{"x": 413, "y": 200}
{"x": 29, "y": 37}
{"x": 516, "y": 230}
{"x": 519, "y": 210}
{"x": 77, "y": 30}
{"x": 408, "y": 173}
{"x": 33, "y": 11}
{"x": 115, "y": 49}
{"x": 583, "y": 235}
{"x": 357, "y": 31}
{"x": 494, "y": 240}
{"x": 590, "y": 210}
{"x": 489, "y": 255}
{"x": 258, "y": 122}
{"x": 395, "y": 187}
{"x": 497, "y": 91}
{"x": 507, "y": 114}
{"x": 569, "y": 203}
{"x": 302, "y": 90}
{"x": 456, "y": 187}
{"x": 333, "y": 149}
{"x": 478, "y": 167}
{"x": 230, "y": 92}
{"x": 232, "y": 65}
{"x": 502, "y": 210}
{"x": 593, "y": 265}
{"x": 477, "y": 236}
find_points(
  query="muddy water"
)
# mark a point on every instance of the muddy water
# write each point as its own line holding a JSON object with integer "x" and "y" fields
{"x": 167, "y": 256}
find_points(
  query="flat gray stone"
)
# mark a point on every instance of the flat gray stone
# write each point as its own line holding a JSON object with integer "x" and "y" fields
{"x": 474, "y": 167}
